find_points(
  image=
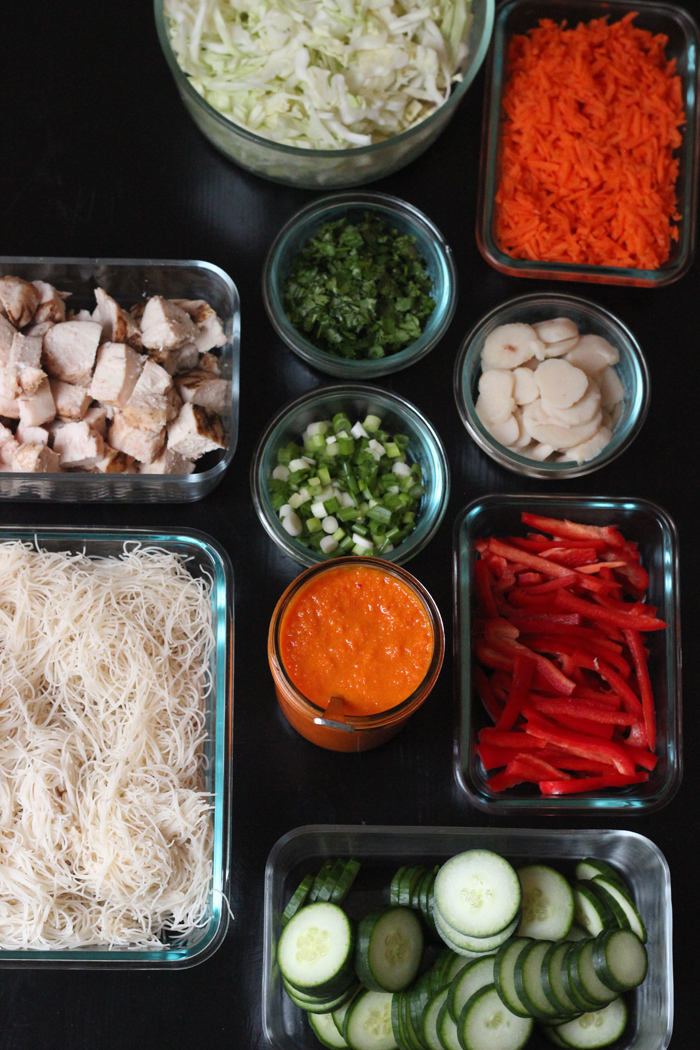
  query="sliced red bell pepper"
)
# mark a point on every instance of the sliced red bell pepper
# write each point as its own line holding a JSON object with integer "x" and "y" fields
{"x": 602, "y": 614}
{"x": 536, "y": 543}
{"x": 574, "y": 557}
{"x": 575, "y": 764}
{"x": 503, "y": 781}
{"x": 598, "y": 696}
{"x": 572, "y": 530}
{"x": 640, "y": 756}
{"x": 629, "y": 701}
{"x": 501, "y": 636}
{"x": 522, "y": 676}
{"x": 553, "y": 585}
{"x": 644, "y": 682}
{"x": 571, "y": 787}
{"x": 586, "y": 747}
{"x": 585, "y": 725}
{"x": 587, "y": 709}
{"x": 484, "y": 593}
{"x": 520, "y": 741}
{"x": 491, "y": 657}
{"x": 533, "y": 768}
{"x": 492, "y": 706}
{"x": 527, "y": 578}
{"x": 495, "y": 757}
{"x": 548, "y": 568}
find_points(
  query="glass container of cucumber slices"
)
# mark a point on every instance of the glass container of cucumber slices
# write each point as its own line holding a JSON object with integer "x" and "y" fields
{"x": 365, "y": 871}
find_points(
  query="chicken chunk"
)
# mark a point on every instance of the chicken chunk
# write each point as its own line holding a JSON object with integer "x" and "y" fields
{"x": 27, "y": 435}
{"x": 78, "y": 445}
{"x": 52, "y": 305}
{"x": 117, "y": 325}
{"x": 97, "y": 417}
{"x": 8, "y": 447}
{"x": 36, "y": 458}
{"x": 210, "y": 363}
{"x": 166, "y": 325}
{"x": 38, "y": 409}
{"x": 143, "y": 445}
{"x": 116, "y": 373}
{"x": 210, "y": 331}
{"x": 195, "y": 431}
{"x": 154, "y": 401}
{"x": 69, "y": 351}
{"x": 200, "y": 387}
{"x": 7, "y": 335}
{"x": 168, "y": 462}
{"x": 19, "y": 300}
{"x": 176, "y": 359}
{"x": 72, "y": 402}
{"x": 114, "y": 462}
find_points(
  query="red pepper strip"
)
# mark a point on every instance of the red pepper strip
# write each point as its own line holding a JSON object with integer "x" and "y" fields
{"x": 563, "y": 760}
{"x": 503, "y": 781}
{"x": 640, "y": 756}
{"x": 643, "y": 681}
{"x": 501, "y": 683}
{"x": 535, "y": 542}
{"x": 527, "y": 578}
{"x": 553, "y": 585}
{"x": 572, "y": 787}
{"x": 598, "y": 565}
{"x": 501, "y": 634}
{"x": 578, "y": 743}
{"x": 629, "y": 701}
{"x": 488, "y": 656}
{"x": 574, "y": 559}
{"x": 520, "y": 597}
{"x": 484, "y": 593}
{"x": 609, "y": 699}
{"x": 521, "y": 741}
{"x": 587, "y": 726}
{"x": 548, "y": 568}
{"x": 533, "y": 768}
{"x": 633, "y": 572}
{"x": 483, "y": 687}
{"x": 556, "y": 623}
{"x": 582, "y": 709}
{"x": 637, "y": 736}
{"x": 601, "y": 613}
{"x": 633, "y": 608}
{"x": 522, "y": 676}
{"x": 495, "y": 757}
{"x": 573, "y": 531}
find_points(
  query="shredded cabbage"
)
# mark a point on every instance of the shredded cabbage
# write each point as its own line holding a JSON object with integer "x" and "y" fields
{"x": 321, "y": 74}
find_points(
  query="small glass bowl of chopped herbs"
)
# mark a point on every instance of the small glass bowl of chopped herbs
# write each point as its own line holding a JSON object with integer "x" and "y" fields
{"x": 350, "y": 469}
{"x": 360, "y": 285}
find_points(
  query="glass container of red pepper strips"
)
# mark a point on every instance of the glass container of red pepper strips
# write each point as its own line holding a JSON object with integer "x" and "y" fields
{"x": 578, "y": 665}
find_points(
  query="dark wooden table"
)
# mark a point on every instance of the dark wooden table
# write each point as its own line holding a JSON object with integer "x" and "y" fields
{"x": 99, "y": 158}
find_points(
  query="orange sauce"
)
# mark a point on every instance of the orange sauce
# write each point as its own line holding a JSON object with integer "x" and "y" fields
{"x": 358, "y": 633}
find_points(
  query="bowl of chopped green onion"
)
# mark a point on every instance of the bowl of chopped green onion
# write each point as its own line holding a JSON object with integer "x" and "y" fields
{"x": 350, "y": 469}
{"x": 360, "y": 285}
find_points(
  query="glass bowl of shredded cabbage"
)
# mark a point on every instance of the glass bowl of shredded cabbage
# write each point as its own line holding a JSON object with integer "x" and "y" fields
{"x": 323, "y": 93}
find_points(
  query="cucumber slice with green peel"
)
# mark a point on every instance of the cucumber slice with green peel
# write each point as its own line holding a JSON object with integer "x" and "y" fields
{"x": 547, "y": 903}
{"x": 408, "y": 883}
{"x": 576, "y": 933}
{"x": 298, "y": 899}
{"x": 486, "y": 1023}
{"x": 396, "y": 884}
{"x": 418, "y": 998}
{"x": 477, "y": 893}
{"x": 573, "y": 988}
{"x": 441, "y": 968}
{"x": 322, "y": 1000}
{"x": 326, "y": 869}
{"x": 412, "y": 1035}
{"x": 339, "y": 1014}
{"x": 368, "y": 1022}
{"x": 591, "y": 912}
{"x": 478, "y": 945}
{"x": 475, "y": 975}
{"x": 321, "y": 1006}
{"x": 430, "y": 1018}
{"x": 625, "y": 902}
{"x": 528, "y": 981}
{"x": 593, "y": 1029}
{"x": 447, "y": 1030}
{"x": 316, "y": 948}
{"x": 589, "y": 867}
{"x": 331, "y": 881}
{"x": 456, "y": 964}
{"x": 586, "y": 979}
{"x": 345, "y": 881}
{"x": 504, "y": 974}
{"x": 389, "y": 949}
{"x": 326, "y": 1032}
{"x": 620, "y": 960}
{"x": 399, "y": 1035}
{"x": 555, "y": 987}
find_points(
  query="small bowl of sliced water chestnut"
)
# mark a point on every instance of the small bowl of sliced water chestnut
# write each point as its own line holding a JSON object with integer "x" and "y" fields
{"x": 360, "y": 285}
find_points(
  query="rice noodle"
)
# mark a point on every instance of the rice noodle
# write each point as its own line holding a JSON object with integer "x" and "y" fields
{"x": 105, "y": 831}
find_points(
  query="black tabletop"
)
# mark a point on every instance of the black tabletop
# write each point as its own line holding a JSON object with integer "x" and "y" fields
{"x": 99, "y": 158}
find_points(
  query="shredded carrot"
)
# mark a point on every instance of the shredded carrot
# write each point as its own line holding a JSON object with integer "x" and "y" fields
{"x": 591, "y": 121}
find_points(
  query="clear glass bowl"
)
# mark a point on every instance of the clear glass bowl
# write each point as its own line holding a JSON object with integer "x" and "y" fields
{"x": 590, "y": 318}
{"x": 358, "y": 401}
{"x": 384, "y": 849}
{"x": 399, "y": 215}
{"x": 205, "y": 557}
{"x": 655, "y": 532}
{"x": 326, "y": 169}
{"x": 128, "y": 281}
{"x": 519, "y": 16}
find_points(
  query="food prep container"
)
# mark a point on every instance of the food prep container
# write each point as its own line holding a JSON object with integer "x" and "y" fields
{"x": 358, "y": 401}
{"x": 655, "y": 532}
{"x": 205, "y": 558}
{"x": 590, "y": 318}
{"x": 331, "y": 729}
{"x": 326, "y": 169}
{"x": 129, "y": 281}
{"x": 384, "y": 849}
{"x": 519, "y": 16}
{"x": 397, "y": 214}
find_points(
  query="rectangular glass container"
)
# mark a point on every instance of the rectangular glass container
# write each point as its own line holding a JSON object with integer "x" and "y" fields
{"x": 129, "y": 281}
{"x": 638, "y": 520}
{"x": 384, "y": 849}
{"x": 519, "y": 16}
{"x": 205, "y": 558}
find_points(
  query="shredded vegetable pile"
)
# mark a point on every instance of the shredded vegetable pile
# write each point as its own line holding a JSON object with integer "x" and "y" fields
{"x": 592, "y": 118}
{"x": 105, "y": 833}
{"x": 321, "y": 74}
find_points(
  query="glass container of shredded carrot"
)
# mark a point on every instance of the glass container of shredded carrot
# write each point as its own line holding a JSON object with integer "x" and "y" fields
{"x": 354, "y": 648}
{"x": 590, "y": 130}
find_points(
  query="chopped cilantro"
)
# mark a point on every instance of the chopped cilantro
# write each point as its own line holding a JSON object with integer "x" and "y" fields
{"x": 359, "y": 290}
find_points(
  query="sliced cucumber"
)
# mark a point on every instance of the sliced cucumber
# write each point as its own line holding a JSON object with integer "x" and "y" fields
{"x": 407, "y": 885}
{"x": 447, "y": 1030}
{"x": 573, "y": 987}
{"x": 486, "y": 1022}
{"x": 625, "y": 903}
{"x": 477, "y": 893}
{"x": 475, "y": 975}
{"x": 326, "y": 1031}
{"x": 389, "y": 949}
{"x": 620, "y": 959}
{"x": 504, "y": 975}
{"x": 594, "y": 1029}
{"x": 368, "y": 1022}
{"x": 339, "y": 1015}
{"x": 412, "y": 1034}
{"x": 298, "y": 899}
{"x": 345, "y": 881}
{"x": 315, "y": 949}
{"x": 528, "y": 981}
{"x": 591, "y": 911}
{"x": 459, "y": 942}
{"x": 456, "y": 964}
{"x": 553, "y": 984}
{"x": 547, "y": 903}
{"x": 326, "y": 869}
{"x": 324, "y": 1006}
{"x": 586, "y": 979}
{"x": 576, "y": 933}
{"x": 589, "y": 867}
{"x": 396, "y": 885}
{"x": 331, "y": 881}
{"x": 430, "y": 1019}
{"x": 418, "y": 998}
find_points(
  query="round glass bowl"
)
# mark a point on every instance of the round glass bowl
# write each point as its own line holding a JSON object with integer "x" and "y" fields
{"x": 331, "y": 727}
{"x": 425, "y": 448}
{"x": 327, "y": 169}
{"x": 397, "y": 214}
{"x": 590, "y": 319}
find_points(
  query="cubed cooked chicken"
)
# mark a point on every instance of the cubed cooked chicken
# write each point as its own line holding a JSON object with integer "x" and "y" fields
{"x": 166, "y": 325}
{"x": 154, "y": 401}
{"x": 195, "y": 431}
{"x": 117, "y": 325}
{"x": 35, "y": 458}
{"x": 69, "y": 351}
{"x": 79, "y": 446}
{"x": 200, "y": 387}
{"x": 19, "y": 300}
{"x": 143, "y": 445}
{"x": 38, "y": 409}
{"x": 72, "y": 402}
{"x": 52, "y": 306}
{"x": 116, "y": 373}
{"x": 168, "y": 462}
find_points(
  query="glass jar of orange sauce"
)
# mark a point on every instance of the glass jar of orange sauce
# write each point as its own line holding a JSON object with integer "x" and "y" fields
{"x": 355, "y": 647}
